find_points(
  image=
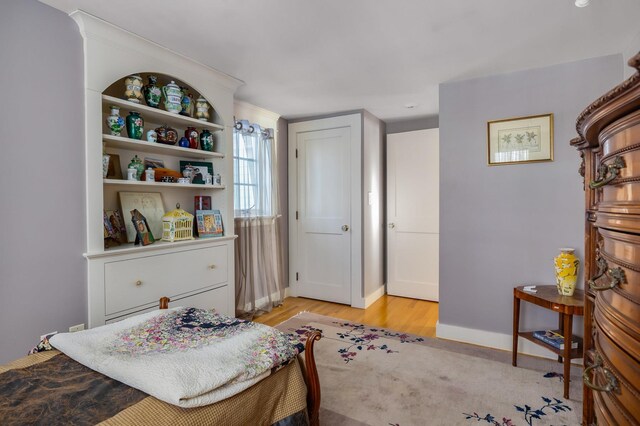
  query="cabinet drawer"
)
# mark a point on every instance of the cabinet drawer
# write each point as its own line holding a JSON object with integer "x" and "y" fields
{"x": 621, "y": 250}
{"x": 137, "y": 282}
{"x": 622, "y": 139}
{"x": 625, "y": 398}
{"x": 210, "y": 299}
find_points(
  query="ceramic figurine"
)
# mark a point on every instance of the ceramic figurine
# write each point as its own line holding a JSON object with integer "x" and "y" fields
{"x": 132, "y": 85}
{"x": 135, "y": 125}
{"x": 152, "y": 93}
{"x": 206, "y": 140}
{"x": 192, "y": 134}
{"x": 187, "y": 172}
{"x": 152, "y": 136}
{"x": 115, "y": 123}
{"x": 186, "y": 103}
{"x": 172, "y": 98}
{"x": 136, "y": 164}
{"x": 202, "y": 109}
{"x": 183, "y": 142}
{"x": 167, "y": 135}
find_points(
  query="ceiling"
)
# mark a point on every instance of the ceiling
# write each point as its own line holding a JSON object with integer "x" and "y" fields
{"x": 301, "y": 57}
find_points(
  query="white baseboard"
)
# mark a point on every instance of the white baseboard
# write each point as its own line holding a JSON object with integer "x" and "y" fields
{"x": 377, "y": 294}
{"x": 493, "y": 340}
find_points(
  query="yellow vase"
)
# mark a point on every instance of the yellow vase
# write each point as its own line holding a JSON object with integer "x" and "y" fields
{"x": 566, "y": 264}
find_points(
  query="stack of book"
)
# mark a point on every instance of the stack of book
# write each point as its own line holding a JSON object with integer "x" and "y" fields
{"x": 554, "y": 338}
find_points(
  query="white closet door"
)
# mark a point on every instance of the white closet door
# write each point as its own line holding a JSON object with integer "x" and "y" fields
{"x": 413, "y": 214}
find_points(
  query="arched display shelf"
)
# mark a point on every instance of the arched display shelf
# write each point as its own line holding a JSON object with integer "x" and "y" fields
{"x": 126, "y": 279}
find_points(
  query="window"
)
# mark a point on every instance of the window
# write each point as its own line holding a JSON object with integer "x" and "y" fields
{"x": 252, "y": 167}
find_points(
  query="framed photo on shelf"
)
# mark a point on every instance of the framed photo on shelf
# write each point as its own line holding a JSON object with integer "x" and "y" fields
{"x": 148, "y": 204}
{"x": 144, "y": 235}
{"x": 154, "y": 163}
{"x": 209, "y": 223}
{"x": 198, "y": 168}
{"x": 118, "y": 232}
{"x": 114, "y": 171}
{"x": 520, "y": 140}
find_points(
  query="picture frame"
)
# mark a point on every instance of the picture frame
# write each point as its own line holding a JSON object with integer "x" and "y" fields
{"x": 149, "y": 204}
{"x": 114, "y": 170}
{"x": 144, "y": 235}
{"x": 116, "y": 222}
{"x": 197, "y": 165}
{"x": 209, "y": 223}
{"x": 520, "y": 140}
{"x": 154, "y": 163}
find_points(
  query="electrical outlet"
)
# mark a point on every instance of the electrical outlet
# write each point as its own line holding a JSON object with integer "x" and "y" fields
{"x": 75, "y": 328}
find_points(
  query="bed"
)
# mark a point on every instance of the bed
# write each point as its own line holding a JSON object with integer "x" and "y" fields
{"x": 50, "y": 387}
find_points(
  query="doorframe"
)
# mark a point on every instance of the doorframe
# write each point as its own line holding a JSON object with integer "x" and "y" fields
{"x": 355, "y": 122}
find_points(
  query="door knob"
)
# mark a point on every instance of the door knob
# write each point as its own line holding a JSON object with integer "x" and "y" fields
{"x": 392, "y": 225}
{"x": 345, "y": 228}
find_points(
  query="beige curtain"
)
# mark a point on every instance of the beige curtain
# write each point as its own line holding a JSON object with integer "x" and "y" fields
{"x": 259, "y": 267}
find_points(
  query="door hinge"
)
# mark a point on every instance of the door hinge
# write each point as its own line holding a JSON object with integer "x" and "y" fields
{"x": 296, "y": 152}
{"x": 297, "y": 276}
{"x": 296, "y": 214}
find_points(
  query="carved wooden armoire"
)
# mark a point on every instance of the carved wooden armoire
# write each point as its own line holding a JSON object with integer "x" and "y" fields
{"x": 609, "y": 144}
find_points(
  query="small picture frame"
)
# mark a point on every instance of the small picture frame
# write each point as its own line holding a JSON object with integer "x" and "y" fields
{"x": 114, "y": 171}
{"x": 209, "y": 223}
{"x": 116, "y": 222}
{"x": 154, "y": 163}
{"x": 143, "y": 233}
{"x": 198, "y": 168}
{"x": 520, "y": 140}
{"x": 149, "y": 204}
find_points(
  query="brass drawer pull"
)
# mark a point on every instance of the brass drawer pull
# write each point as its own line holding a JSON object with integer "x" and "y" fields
{"x": 138, "y": 283}
{"x": 612, "y": 382}
{"x": 612, "y": 169}
{"x": 212, "y": 266}
{"x": 616, "y": 274}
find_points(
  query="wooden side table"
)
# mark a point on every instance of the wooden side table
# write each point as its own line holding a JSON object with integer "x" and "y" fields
{"x": 566, "y": 306}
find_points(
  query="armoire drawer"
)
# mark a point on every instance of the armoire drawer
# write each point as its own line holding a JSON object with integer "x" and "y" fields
{"x": 614, "y": 323}
{"x": 625, "y": 398}
{"x": 216, "y": 298}
{"x": 619, "y": 253}
{"x": 137, "y": 282}
{"x": 620, "y": 154}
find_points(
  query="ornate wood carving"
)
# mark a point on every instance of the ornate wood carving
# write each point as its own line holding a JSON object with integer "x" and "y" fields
{"x": 313, "y": 382}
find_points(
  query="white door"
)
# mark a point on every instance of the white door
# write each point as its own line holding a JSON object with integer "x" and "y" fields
{"x": 413, "y": 214}
{"x": 321, "y": 243}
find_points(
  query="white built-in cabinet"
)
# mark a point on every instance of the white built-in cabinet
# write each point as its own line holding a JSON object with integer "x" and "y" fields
{"x": 127, "y": 279}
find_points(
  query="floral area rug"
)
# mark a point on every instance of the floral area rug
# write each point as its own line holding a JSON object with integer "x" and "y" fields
{"x": 374, "y": 376}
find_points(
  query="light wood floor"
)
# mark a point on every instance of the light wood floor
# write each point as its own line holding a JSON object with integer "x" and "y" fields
{"x": 397, "y": 313}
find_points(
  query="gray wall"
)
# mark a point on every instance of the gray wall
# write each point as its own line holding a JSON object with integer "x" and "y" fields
{"x": 373, "y": 180}
{"x": 282, "y": 153}
{"x": 42, "y": 271}
{"x": 412, "y": 124}
{"x": 501, "y": 226}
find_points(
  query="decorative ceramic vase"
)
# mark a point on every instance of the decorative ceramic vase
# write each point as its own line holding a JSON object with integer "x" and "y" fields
{"x": 132, "y": 85}
{"x": 167, "y": 135}
{"x": 136, "y": 164}
{"x": 183, "y": 142}
{"x": 206, "y": 140}
{"x": 566, "y": 265}
{"x": 152, "y": 93}
{"x": 202, "y": 109}
{"x": 172, "y": 98}
{"x": 135, "y": 125}
{"x": 115, "y": 123}
{"x": 152, "y": 136}
{"x": 192, "y": 134}
{"x": 186, "y": 103}
{"x": 150, "y": 175}
{"x": 105, "y": 165}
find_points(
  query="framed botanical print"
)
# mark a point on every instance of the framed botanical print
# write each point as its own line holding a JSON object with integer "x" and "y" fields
{"x": 520, "y": 140}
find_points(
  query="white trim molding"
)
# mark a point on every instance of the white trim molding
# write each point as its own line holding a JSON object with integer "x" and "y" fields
{"x": 493, "y": 340}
